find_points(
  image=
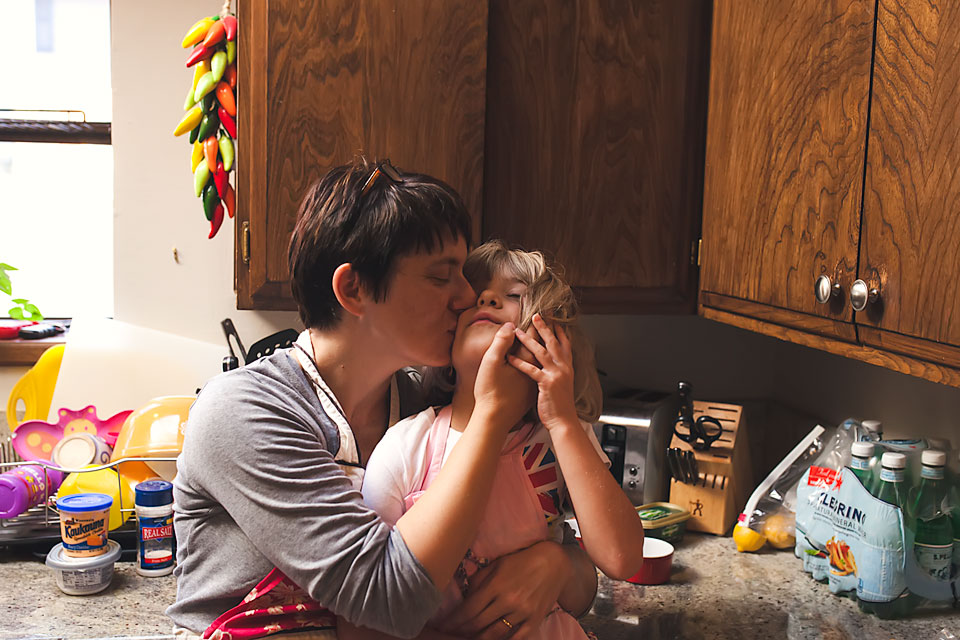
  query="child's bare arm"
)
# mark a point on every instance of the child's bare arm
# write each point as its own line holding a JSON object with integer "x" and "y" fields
{"x": 611, "y": 532}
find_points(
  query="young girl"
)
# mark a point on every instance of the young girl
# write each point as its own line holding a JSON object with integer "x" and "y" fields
{"x": 547, "y": 459}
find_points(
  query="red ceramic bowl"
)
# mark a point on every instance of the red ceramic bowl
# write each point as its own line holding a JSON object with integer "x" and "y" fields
{"x": 657, "y": 560}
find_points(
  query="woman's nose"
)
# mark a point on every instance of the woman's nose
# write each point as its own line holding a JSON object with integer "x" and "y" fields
{"x": 488, "y": 299}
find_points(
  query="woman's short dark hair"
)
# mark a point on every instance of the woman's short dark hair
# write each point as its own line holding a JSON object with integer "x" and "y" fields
{"x": 344, "y": 218}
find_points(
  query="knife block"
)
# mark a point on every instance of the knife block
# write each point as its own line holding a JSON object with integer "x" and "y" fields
{"x": 724, "y": 475}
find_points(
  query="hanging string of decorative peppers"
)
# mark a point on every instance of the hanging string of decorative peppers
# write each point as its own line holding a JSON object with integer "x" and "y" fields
{"x": 211, "y": 112}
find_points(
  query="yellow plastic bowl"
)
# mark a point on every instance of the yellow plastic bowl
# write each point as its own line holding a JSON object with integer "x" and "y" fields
{"x": 155, "y": 431}
{"x": 105, "y": 481}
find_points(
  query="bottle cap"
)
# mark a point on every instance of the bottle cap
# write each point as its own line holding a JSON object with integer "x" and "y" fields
{"x": 933, "y": 458}
{"x": 154, "y": 493}
{"x": 862, "y": 449}
{"x": 892, "y": 460}
{"x": 872, "y": 425}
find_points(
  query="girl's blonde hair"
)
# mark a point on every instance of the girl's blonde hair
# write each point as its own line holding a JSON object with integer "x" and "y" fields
{"x": 547, "y": 294}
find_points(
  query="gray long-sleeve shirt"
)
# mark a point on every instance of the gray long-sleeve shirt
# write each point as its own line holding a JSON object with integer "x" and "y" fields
{"x": 257, "y": 487}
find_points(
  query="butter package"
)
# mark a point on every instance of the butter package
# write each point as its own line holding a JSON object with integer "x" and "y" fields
{"x": 83, "y": 524}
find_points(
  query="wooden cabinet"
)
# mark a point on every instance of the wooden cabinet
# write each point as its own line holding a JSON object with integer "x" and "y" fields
{"x": 829, "y": 153}
{"x": 320, "y": 82}
{"x": 576, "y": 128}
{"x": 594, "y": 143}
{"x": 910, "y": 237}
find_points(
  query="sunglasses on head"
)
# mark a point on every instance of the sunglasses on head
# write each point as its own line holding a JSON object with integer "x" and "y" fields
{"x": 383, "y": 168}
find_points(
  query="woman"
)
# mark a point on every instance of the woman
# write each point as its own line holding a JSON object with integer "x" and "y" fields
{"x": 264, "y": 510}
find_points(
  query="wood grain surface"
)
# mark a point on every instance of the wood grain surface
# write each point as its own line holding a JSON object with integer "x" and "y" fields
{"x": 804, "y": 322}
{"x": 398, "y": 79}
{"x": 785, "y": 149}
{"x": 594, "y": 140}
{"x": 899, "y": 362}
{"x": 911, "y": 213}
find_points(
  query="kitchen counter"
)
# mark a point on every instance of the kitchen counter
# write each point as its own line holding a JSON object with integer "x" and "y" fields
{"x": 714, "y": 592}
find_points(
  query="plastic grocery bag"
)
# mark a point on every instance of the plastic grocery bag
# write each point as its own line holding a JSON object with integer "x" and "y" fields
{"x": 768, "y": 516}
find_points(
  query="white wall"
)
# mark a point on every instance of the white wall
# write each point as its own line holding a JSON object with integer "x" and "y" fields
{"x": 724, "y": 362}
{"x": 155, "y": 209}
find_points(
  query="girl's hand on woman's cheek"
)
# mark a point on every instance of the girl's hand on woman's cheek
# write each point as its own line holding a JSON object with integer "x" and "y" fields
{"x": 554, "y": 376}
{"x": 500, "y": 388}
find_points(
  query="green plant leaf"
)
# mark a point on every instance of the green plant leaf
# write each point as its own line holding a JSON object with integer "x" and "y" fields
{"x": 5, "y": 267}
{"x": 19, "y": 301}
{"x": 5, "y": 283}
{"x": 36, "y": 316}
{"x": 16, "y": 313}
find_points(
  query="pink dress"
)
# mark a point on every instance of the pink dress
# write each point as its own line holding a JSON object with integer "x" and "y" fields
{"x": 513, "y": 520}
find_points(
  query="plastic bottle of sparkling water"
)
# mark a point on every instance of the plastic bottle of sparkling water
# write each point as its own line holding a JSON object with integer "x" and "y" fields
{"x": 952, "y": 507}
{"x": 892, "y": 489}
{"x": 861, "y": 453}
{"x": 934, "y": 541}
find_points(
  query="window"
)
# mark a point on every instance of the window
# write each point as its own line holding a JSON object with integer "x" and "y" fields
{"x": 56, "y": 162}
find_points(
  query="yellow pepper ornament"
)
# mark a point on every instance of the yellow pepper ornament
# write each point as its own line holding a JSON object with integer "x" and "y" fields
{"x": 210, "y": 117}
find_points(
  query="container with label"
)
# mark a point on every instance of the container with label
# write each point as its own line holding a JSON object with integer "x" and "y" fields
{"x": 26, "y": 486}
{"x": 83, "y": 576}
{"x": 157, "y": 549}
{"x": 83, "y": 523}
{"x": 934, "y": 541}
{"x": 663, "y": 520}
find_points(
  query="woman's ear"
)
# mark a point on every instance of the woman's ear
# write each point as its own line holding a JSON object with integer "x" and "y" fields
{"x": 348, "y": 289}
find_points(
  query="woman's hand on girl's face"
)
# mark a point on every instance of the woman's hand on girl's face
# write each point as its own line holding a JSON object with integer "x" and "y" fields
{"x": 554, "y": 376}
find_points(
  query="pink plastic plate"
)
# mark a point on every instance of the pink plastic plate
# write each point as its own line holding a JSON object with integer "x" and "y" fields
{"x": 35, "y": 439}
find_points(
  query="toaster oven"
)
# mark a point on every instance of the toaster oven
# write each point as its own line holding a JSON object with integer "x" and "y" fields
{"x": 634, "y": 431}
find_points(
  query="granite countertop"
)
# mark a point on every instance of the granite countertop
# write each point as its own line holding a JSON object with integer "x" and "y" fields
{"x": 714, "y": 592}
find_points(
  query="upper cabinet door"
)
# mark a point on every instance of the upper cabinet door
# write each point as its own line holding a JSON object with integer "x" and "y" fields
{"x": 789, "y": 90}
{"x": 320, "y": 82}
{"x": 594, "y": 143}
{"x": 911, "y": 216}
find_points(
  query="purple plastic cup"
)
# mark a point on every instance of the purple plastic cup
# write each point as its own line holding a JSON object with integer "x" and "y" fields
{"x": 26, "y": 486}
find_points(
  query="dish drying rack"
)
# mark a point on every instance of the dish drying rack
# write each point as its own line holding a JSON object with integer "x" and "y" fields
{"x": 42, "y": 522}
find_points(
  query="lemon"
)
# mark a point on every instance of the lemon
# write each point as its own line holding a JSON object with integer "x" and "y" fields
{"x": 747, "y": 539}
{"x": 779, "y": 530}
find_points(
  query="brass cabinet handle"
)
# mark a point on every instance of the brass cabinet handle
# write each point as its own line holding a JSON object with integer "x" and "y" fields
{"x": 861, "y": 295}
{"x": 824, "y": 289}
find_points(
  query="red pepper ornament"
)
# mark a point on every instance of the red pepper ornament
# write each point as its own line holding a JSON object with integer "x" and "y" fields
{"x": 227, "y": 122}
{"x": 220, "y": 180}
{"x": 217, "y": 221}
{"x": 230, "y": 200}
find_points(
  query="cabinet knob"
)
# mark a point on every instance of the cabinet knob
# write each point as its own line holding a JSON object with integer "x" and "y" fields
{"x": 824, "y": 289}
{"x": 861, "y": 295}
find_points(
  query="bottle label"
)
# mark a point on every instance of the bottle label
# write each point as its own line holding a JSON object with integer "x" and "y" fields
{"x": 156, "y": 542}
{"x": 956, "y": 554}
{"x": 850, "y": 538}
{"x": 935, "y": 559}
{"x": 860, "y": 464}
{"x": 891, "y": 475}
{"x": 933, "y": 473}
